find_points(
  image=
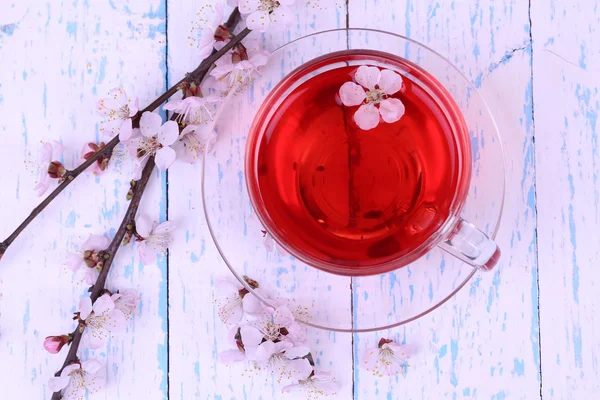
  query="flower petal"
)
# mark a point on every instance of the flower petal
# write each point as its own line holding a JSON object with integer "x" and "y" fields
{"x": 74, "y": 391}
{"x": 165, "y": 157}
{"x": 57, "y": 150}
{"x": 116, "y": 321}
{"x": 258, "y": 20}
{"x": 143, "y": 225}
{"x": 225, "y": 288}
{"x": 58, "y": 383}
{"x": 91, "y": 340}
{"x": 367, "y": 117}
{"x": 96, "y": 242}
{"x": 148, "y": 254}
{"x": 106, "y": 107}
{"x": 292, "y": 388}
{"x": 251, "y": 336}
{"x": 283, "y": 316}
{"x": 370, "y": 358}
{"x": 296, "y": 333}
{"x": 299, "y": 369}
{"x": 164, "y": 228}
{"x": 391, "y": 110}
{"x": 119, "y": 96}
{"x": 352, "y": 94}
{"x": 390, "y": 81}
{"x": 296, "y": 351}
{"x": 367, "y": 76}
{"x": 92, "y": 366}
{"x": 264, "y": 351}
{"x": 42, "y": 186}
{"x": 74, "y": 261}
{"x": 251, "y": 304}
{"x": 85, "y": 307}
{"x": 248, "y": 6}
{"x": 150, "y": 124}
{"x": 169, "y": 133}
{"x": 281, "y": 18}
{"x": 45, "y": 154}
{"x": 138, "y": 167}
{"x": 325, "y": 383}
{"x": 91, "y": 276}
{"x": 126, "y": 130}
{"x": 258, "y": 58}
{"x": 223, "y": 66}
{"x": 231, "y": 356}
{"x": 104, "y": 304}
{"x": 134, "y": 106}
{"x": 94, "y": 376}
{"x": 174, "y": 105}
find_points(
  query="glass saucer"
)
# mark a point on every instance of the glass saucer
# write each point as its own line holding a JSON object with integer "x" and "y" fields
{"x": 335, "y": 302}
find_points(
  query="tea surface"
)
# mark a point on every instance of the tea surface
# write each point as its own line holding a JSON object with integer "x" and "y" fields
{"x": 349, "y": 196}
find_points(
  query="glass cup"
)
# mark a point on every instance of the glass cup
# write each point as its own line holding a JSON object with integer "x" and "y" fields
{"x": 371, "y": 300}
{"x": 299, "y": 161}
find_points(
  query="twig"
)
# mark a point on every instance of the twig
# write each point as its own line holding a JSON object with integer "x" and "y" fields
{"x": 138, "y": 189}
{"x": 111, "y": 251}
{"x": 198, "y": 74}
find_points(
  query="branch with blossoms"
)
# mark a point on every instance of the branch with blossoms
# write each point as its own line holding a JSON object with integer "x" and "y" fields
{"x": 121, "y": 117}
{"x": 269, "y": 338}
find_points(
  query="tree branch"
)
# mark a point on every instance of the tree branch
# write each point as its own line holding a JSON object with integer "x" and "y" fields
{"x": 197, "y": 75}
{"x": 111, "y": 251}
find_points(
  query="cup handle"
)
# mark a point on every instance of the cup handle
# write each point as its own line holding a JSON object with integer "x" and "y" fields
{"x": 472, "y": 246}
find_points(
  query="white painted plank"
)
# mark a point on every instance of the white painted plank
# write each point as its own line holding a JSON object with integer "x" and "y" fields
{"x": 567, "y": 105}
{"x": 195, "y": 262}
{"x": 57, "y": 60}
{"x": 484, "y": 342}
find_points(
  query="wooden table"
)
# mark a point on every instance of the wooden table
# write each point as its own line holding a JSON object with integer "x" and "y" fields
{"x": 528, "y": 330}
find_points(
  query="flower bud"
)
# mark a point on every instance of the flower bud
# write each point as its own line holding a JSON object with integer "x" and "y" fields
{"x": 239, "y": 54}
{"x": 53, "y": 344}
{"x": 222, "y": 33}
{"x": 56, "y": 170}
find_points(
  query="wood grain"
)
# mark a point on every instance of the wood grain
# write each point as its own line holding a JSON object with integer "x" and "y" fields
{"x": 484, "y": 342}
{"x": 536, "y": 66}
{"x": 62, "y": 59}
{"x": 567, "y": 105}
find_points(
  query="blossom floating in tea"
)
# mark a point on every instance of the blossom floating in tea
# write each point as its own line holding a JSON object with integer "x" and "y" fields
{"x": 372, "y": 94}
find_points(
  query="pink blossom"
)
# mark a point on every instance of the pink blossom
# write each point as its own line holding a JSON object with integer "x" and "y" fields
{"x": 387, "y": 359}
{"x": 316, "y": 385}
{"x": 372, "y": 94}
{"x": 214, "y": 35}
{"x": 154, "y": 239}
{"x": 53, "y": 344}
{"x": 49, "y": 154}
{"x": 156, "y": 139}
{"x": 100, "y": 319}
{"x": 101, "y": 164}
{"x": 239, "y": 65}
{"x": 233, "y": 301}
{"x": 193, "y": 142}
{"x": 194, "y": 110}
{"x": 78, "y": 378}
{"x": 262, "y": 15}
{"x": 118, "y": 109}
{"x": 90, "y": 256}
{"x": 126, "y": 301}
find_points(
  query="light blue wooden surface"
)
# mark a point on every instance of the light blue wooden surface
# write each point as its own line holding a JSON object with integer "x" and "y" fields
{"x": 527, "y": 330}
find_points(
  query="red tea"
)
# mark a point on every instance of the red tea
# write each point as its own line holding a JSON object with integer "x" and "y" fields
{"x": 346, "y": 199}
